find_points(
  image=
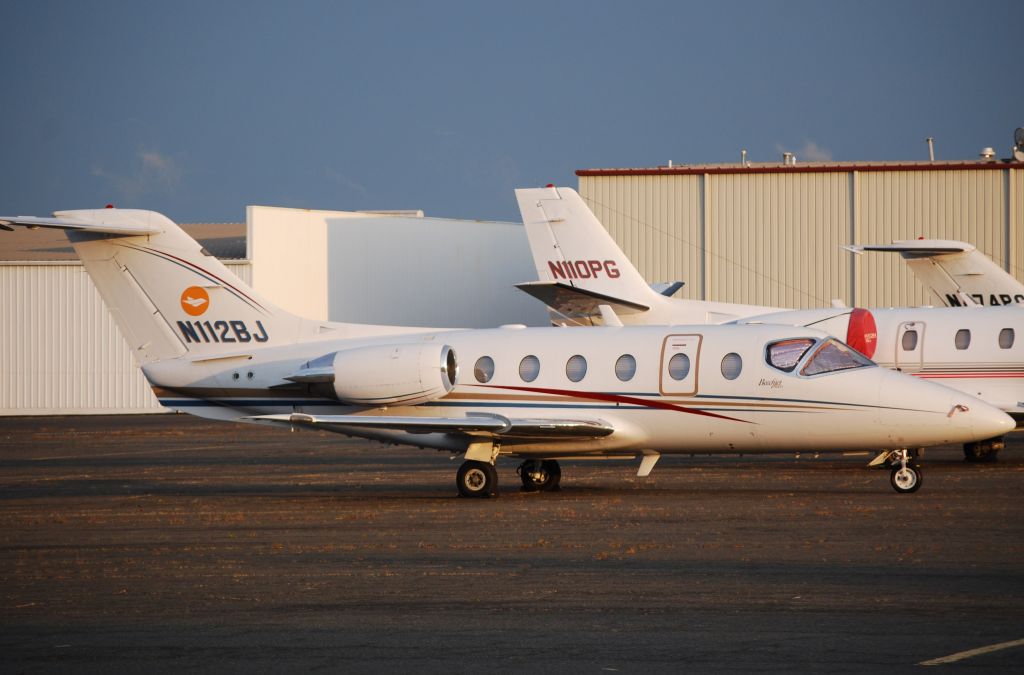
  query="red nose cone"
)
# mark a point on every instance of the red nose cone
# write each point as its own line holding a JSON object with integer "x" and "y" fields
{"x": 861, "y": 333}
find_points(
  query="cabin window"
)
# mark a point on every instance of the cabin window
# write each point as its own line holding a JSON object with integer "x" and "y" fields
{"x": 785, "y": 354}
{"x": 576, "y": 368}
{"x": 529, "y": 368}
{"x": 625, "y": 367}
{"x": 962, "y": 340}
{"x": 679, "y": 366}
{"x": 484, "y": 369}
{"x": 833, "y": 355}
{"x": 909, "y": 340}
{"x": 1006, "y": 338}
{"x": 732, "y": 365}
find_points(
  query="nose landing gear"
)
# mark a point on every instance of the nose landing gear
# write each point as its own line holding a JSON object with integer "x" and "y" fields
{"x": 905, "y": 479}
{"x": 905, "y": 476}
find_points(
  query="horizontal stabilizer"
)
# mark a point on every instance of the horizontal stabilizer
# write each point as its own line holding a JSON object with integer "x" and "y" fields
{"x": 124, "y": 229}
{"x": 488, "y": 425}
{"x": 667, "y": 288}
{"x": 916, "y": 248}
{"x": 955, "y": 271}
{"x": 573, "y": 301}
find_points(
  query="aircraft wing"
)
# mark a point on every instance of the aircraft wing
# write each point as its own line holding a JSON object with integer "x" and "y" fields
{"x": 573, "y": 301}
{"x": 125, "y": 229}
{"x": 494, "y": 426}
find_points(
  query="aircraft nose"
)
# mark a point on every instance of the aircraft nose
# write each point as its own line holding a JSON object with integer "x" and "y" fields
{"x": 987, "y": 421}
{"x": 919, "y": 409}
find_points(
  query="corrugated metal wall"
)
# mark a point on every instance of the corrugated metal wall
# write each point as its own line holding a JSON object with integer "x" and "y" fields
{"x": 963, "y": 205}
{"x": 774, "y": 238}
{"x": 1015, "y": 213}
{"x": 657, "y": 221}
{"x": 61, "y": 351}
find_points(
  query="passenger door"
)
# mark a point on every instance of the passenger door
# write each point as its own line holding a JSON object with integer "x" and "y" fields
{"x": 910, "y": 346}
{"x": 680, "y": 360}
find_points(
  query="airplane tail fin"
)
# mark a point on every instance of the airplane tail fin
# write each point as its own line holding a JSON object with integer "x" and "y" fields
{"x": 956, "y": 272}
{"x": 168, "y": 295}
{"x": 572, "y": 250}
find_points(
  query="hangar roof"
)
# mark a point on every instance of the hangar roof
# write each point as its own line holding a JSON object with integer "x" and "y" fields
{"x": 224, "y": 240}
{"x": 804, "y": 167}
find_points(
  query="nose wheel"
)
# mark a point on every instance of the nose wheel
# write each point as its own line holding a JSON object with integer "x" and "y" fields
{"x": 540, "y": 475}
{"x": 905, "y": 477}
{"x": 476, "y": 479}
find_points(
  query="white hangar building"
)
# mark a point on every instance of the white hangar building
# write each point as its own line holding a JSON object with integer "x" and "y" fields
{"x": 764, "y": 233}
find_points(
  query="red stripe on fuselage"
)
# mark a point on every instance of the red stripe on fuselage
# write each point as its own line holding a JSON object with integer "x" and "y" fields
{"x": 932, "y": 376}
{"x": 616, "y": 398}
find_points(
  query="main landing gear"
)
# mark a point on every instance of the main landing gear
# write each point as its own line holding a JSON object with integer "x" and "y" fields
{"x": 983, "y": 451}
{"x": 477, "y": 478}
{"x": 540, "y": 475}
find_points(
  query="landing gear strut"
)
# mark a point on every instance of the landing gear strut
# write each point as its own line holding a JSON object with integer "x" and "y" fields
{"x": 477, "y": 479}
{"x": 983, "y": 451}
{"x": 906, "y": 476}
{"x": 540, "y": 475}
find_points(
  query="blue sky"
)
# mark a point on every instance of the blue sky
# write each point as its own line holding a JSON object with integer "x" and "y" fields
{"x": 197, "y": 109}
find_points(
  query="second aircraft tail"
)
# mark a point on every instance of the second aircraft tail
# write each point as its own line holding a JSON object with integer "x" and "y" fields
{"x": 579, "y": 265}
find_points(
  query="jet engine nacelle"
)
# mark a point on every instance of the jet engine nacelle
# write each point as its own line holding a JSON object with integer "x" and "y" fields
{"x": 855, "y": 326}
{"x": 398, "y": 374}
{"x": 402, "y": 374}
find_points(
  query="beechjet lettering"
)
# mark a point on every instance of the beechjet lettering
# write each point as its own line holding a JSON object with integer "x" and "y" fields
{"x": 536, "y": 394}
{"x": 974, "y": 351}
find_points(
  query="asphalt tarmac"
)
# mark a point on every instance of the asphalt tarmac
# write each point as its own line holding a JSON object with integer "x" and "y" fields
{"x": 166, "y": 543}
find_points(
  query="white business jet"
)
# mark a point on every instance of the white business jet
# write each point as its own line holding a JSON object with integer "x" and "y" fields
{"x": 586, "y": 279}
{"x": 956, "y": 272}
{"x": 212, "y": 347}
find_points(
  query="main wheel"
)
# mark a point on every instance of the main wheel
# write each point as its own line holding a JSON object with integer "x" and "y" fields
{"x": 983, "y": 451}
{"x": 476, "y": 479}
{"x": 906, "y": 479}
{"x": 541, "y": 476}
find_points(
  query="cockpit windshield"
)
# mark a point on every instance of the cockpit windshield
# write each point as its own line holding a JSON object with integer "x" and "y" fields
{"x": 830, "y": 355}
{"x": 785, "y": 354}
{"x": 833, "y": 355}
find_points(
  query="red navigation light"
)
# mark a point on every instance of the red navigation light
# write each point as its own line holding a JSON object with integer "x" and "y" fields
{"x": 550, "y": 185}
{"x": 109, "y": 206}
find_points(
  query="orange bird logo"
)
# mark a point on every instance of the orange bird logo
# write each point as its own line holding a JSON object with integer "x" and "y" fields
{"x": 195, "y": 300}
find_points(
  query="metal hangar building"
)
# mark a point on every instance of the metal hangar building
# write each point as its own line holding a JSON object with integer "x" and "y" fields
{"x": 772, "y": 233}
